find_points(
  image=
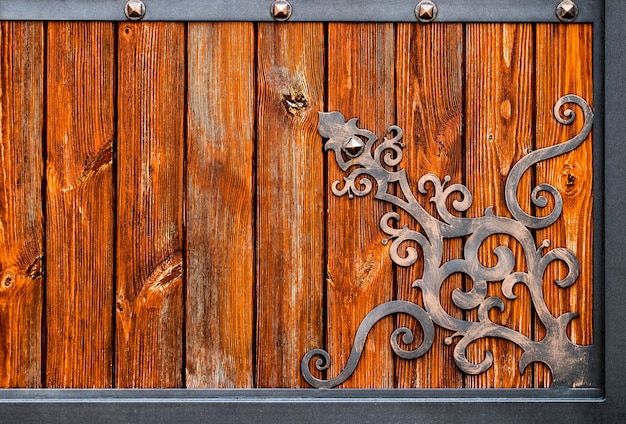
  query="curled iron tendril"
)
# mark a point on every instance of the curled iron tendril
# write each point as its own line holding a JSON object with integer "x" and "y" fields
{"x": 393, "y": 307}
{"x": 569, "y": 363}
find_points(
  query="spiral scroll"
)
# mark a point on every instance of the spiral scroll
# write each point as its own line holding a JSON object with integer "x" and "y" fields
{"x": 571, "y": 364}
{"x": 378, "y": 313}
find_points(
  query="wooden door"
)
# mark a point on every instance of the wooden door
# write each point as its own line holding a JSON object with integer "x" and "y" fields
{"x": 167, "y": 217}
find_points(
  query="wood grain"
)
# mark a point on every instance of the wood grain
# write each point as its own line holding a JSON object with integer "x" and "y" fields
{"x": 151, "y": 102}
{"x": 21, "y": 208}
{"x": 245, "y": 288}
{"x": 564, "y": 54}
{"x": 220, "y": 210}
{"x": 290, "y": 205}
{"x": 499, "y": 96}
{"x": 79, "y": 204}
{"x": 429, "y": 106}
{"x": 359, "y": 271}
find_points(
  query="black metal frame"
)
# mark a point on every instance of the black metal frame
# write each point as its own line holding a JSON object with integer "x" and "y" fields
{"x": 606, "y": 404}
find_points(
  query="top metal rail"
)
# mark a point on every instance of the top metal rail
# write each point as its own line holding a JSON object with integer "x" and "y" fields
{"x": 302, "y": 10}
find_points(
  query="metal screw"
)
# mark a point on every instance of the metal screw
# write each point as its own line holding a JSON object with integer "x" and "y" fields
{"x": 134, "y": 10}
{"x": 281, "y": 10}
{"x": 567, "y": 11}
{"x": 426, "y": 11}
{"x": 353, "y": 147}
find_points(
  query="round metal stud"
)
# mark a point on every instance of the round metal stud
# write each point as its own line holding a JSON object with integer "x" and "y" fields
{"x": 426, "y": 11}
{"x": 353, "y": 147}
{"x": 567, "y": 11}
{"x": 135, "y": 10}
{"x": 281, "y": 10}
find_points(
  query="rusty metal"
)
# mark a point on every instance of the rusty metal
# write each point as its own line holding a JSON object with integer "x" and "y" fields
{"x": 281, "y": 10}
{"x": 567, "y": 11}
{"x": 571, "y": 364}
{"x": 426, "y": 11}
{"x": 135, "y": 10}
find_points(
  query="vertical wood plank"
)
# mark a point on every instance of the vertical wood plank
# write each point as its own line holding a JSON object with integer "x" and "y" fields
{"x": 499, "y": 96}
{"x": 290, "y": 190}
{"x": 564, "y": 55}
{"x": 220, "y": 239}
{"x": 429, "y": 107}
{"x": 359, "y": 271}
{"x": 79, "y": 204}
{"x": 151, "y": 102}
{"x": 21, "y": 214}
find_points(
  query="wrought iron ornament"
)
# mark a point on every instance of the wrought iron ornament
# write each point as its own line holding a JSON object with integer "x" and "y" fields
{"x": 571, "y": 364}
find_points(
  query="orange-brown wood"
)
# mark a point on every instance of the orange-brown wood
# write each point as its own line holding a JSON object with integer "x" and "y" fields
{"x": 79, "y": 204}
{"x": 499, "y": 96}
{"x": 359, "y": 271}
{"x": 21, "y": 209}
{"x": 564, "y": 56}
{"x": 290, "y": 200}
{"x": 429, "y": 107}
{"x": 151, "y": 103}
{"x": 220, "y": 210}
{"x": 133, "y": 302}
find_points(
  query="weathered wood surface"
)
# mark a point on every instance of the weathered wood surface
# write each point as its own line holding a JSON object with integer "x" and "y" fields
{"x": 361, "y": 74}
{"x": 149, "y": 303}
{"x": 220, "y": 208}
{"x": 191, "y": 237}
{"x": 290, "y": 200}
{"x": 564, "y": 54}
{"x": 21, "y": 208}
{"x": 79, "y": 204}
{"x": 429, "y": 95}
{"x": 499, "y": 96}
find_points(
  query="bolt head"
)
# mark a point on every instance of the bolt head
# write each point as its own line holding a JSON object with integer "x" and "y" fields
{"x": 281, "y": 10}
{"x": 426, "y": 11}
{"x": 567, "y": 11}
{"x": 353, "y": 147}
{"x": 135, "y": 9}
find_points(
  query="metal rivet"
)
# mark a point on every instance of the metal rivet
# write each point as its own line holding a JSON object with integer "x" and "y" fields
{"x": 353, "y": 147}
{"x": 134, "y": 10}
{"x": 281, "y": 10}
{"x": 426, "y": 11}
{"x": 567, "y": 11}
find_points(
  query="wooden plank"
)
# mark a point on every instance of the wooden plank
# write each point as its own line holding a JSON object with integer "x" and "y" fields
{"x": 220, "y": 210}
{"x": 21, "y": 208}
{"x": 290, "y": 206}
{"x": 151, "y": 102}
{"x": 429, "y": 106}
{"x": 359, "y": 271}
{"x": 79, "y": 204}
{"x": 564, "y": 55}
{"x": 499, "y": 96}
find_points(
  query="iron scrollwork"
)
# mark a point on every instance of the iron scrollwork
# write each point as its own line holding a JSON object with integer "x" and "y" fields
{"x": 569, "y": 363}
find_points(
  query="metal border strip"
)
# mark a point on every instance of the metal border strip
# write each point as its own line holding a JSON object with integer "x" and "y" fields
{"x": 303, "y": 406}
{"x": 303, "y": 10}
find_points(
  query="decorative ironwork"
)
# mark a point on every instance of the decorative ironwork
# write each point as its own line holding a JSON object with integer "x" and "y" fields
{"x": 571, "y": 364}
